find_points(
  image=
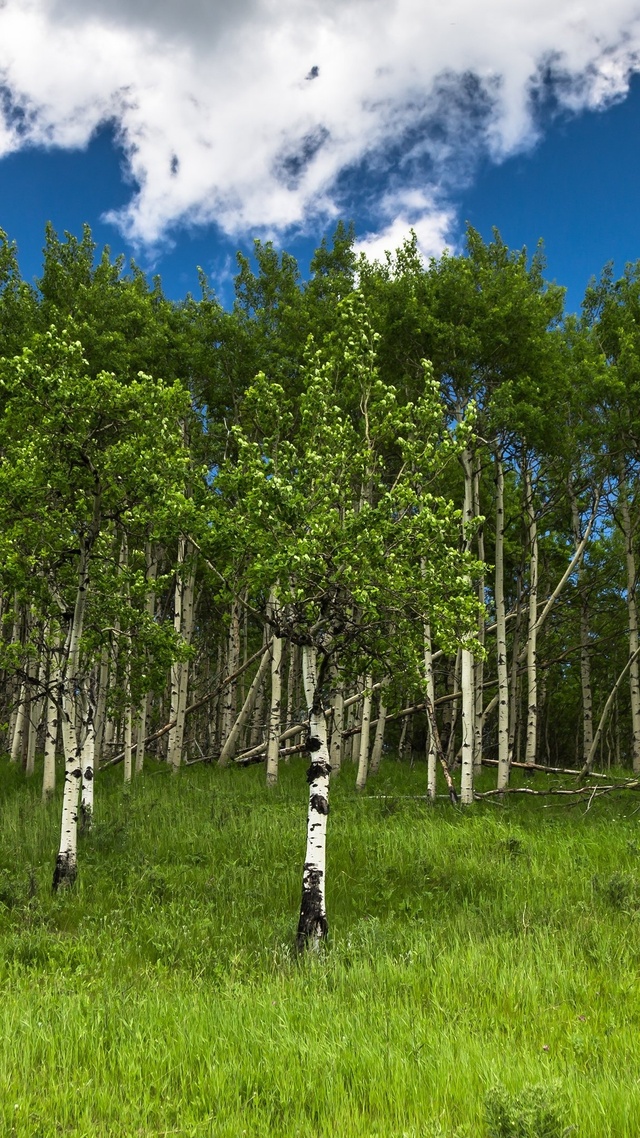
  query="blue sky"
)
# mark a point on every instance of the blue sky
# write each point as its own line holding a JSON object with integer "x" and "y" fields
{"x": 111, "y": 116}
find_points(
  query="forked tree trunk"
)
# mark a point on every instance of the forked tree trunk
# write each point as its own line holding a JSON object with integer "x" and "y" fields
{"x": 312, "y": 925}
{"x": 501, "y": 633}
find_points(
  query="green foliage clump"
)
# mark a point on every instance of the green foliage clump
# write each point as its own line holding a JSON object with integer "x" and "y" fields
{"x": 534, "y": 1112}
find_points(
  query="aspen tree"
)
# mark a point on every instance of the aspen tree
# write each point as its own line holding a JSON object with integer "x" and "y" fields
{"x": 294, "y": 499}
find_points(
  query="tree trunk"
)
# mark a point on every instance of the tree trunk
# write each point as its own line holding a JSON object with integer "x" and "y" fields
{"x": 233, "y": 660}
{"x": 585, "y": 659}
{"x": 231, "y": 742}
{"x": 87, "y": 756}
{"x": 51, "y": 729}
{"x": 275, "y": 707}
{"x": 363, "y": 758}
{"x": 378, "y": 742}
{"x": 432, "y": 746}
{"x": 632, "y": 612}
{"x": 312, "y": 925}
{"x": 145, "y": 703}
{"x": 66, "y": 863}
{"x": 478, "y": 664}
{"x": 17, "y": 743}
{"x": 101, "y": 706}
{"x": 183, "y": 624}
{"x": 337, "y": 728}
{"x": 466, "y": 681}
{"x": 501, "y": 633}
{"x": 532, "y": 631}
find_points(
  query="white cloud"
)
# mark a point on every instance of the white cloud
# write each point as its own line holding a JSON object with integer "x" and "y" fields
{"x": 433, "y": 226}
{"x": 250, "y": 113}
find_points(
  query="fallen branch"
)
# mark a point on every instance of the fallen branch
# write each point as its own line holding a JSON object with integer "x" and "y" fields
{"x": 543, "y": 770}
{"x": 571, "y": 792}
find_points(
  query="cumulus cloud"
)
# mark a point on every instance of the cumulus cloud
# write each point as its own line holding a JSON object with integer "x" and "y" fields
{"x": 264, "y": 115}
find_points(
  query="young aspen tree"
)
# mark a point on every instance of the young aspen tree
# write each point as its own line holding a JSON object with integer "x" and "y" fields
{"x": 292, "y": 495}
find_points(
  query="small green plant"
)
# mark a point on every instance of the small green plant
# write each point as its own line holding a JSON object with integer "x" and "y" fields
{"x": 620, "y": 890}
{"x": 534, "y": 1112}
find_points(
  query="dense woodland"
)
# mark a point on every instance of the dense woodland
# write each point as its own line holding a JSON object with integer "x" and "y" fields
{"x": 393, "y": 505}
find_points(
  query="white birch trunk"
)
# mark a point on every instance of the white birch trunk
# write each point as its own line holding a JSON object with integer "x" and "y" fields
{"x": 585, "y": 660}
{"x": 466, "y": 679}
{"x": 312, "y": 925}
{"x": 66, "y": 862}
{"x": 275, "y": 707}
{"x": 501, "y": 633}
{"x": 231, "y": 742}
{"x": 337, "y": 729}
{"x": 50, "y": 741}
{"x": 101, "y": 706}
{"x": 363, "y": 758}
{"x": 233, "y": 661}
{"x": 632, "y": 614}
{"x": 432, "y": 750}
{"x": 514, "y": 678}
{"x": 128, "y": 745}
{"x": 378, "y": 742}
{"x": 531, "y": 746}
{"x": 180, "y": 671}
{"x": 17, "y": 743}
{"x": 145, "y": 703}
{"x": 87, "y": 756}
{"x": 478, "y": 665}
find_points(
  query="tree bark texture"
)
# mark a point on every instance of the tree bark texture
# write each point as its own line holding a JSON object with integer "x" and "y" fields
{"x": 312, "y": 925}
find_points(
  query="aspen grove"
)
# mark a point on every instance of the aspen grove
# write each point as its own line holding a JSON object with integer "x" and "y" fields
{"x": 391, "y": 507}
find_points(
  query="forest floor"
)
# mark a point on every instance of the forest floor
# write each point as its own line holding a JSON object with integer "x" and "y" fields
{"x": 482, "y": 976}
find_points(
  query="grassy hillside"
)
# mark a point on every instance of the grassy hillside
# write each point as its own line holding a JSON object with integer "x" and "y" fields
{"x": 482, "y": 977}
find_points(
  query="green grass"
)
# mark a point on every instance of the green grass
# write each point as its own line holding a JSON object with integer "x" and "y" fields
{"x": 481, "y": 981}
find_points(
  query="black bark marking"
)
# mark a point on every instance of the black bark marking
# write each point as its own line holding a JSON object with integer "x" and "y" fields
{"x": 313, "y": 743}
{"x": 312, "y": 925}
{"x": 88, "y": 774}
{"x": 317, "y": 770}
{"x": 319, "y": 803}
{"x": 65, "y": 873}
{"x": 77, "y": 773}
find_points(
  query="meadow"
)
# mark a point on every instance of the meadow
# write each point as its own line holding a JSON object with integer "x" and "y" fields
{"x": 481, "y": 978}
